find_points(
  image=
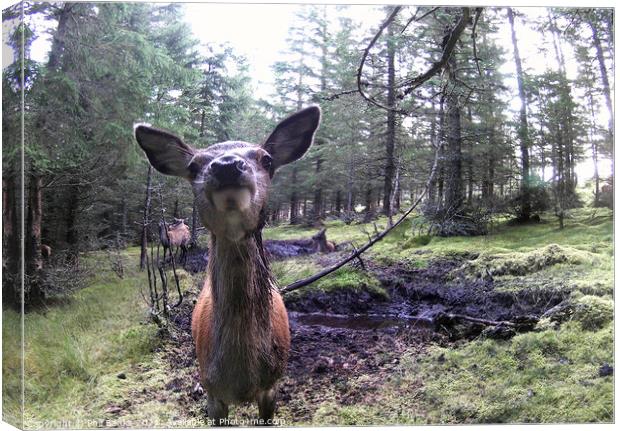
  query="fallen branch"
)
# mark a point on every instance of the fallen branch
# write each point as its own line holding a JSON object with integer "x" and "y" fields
{"x": 502, "y": 329}
{"x": 443, "y": 318}
{"x": 356, "y": 253}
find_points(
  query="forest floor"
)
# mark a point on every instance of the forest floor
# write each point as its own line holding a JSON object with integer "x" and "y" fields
{"x": 369, "y": 345}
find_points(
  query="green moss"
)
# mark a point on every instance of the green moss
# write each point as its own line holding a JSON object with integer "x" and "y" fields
{"x": 417, "y": 241}
{"x": 291, "y": 270}
{"x": 594, "y": 312}
{"x": 519, "y": 264}
{"x": 354, "y": 279}
{"x": 591, "y": 312}
{"x": 345, "y": 278}
{"x": 548, "y": 376}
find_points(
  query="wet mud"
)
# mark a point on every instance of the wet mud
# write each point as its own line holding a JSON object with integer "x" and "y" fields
{"x": 339, "y": 336}
{"x": 322, "y": 356}
{"x": 197, "y": 257}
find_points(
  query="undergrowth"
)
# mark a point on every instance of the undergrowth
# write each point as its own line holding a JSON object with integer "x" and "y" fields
{"x": 76, "y": 350}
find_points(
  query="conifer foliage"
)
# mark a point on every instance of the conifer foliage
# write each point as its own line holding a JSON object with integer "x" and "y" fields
{"x": 511, "y": 134}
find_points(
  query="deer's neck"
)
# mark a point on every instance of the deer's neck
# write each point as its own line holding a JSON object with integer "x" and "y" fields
{"x": 241, "y": 282}
{"x": 241, "y": 352}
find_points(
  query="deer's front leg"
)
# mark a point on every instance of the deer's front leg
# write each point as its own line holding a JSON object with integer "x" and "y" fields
{"x": 217, "y": 410}
{"x": 266, "y": 404}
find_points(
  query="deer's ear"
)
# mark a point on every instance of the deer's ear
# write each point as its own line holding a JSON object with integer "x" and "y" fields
{"x": 293, "y": 136}
{"x": 166, "y": 152}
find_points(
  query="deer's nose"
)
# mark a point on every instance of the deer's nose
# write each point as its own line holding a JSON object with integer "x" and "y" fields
{"x": 228, "y": 169}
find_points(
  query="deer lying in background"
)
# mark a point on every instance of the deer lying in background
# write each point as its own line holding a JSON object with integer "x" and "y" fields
{"x": 46, "y": 251}
{"x": 239, "y": 324}
{"x": 321, "y": 243}
{"x": 178, "y": 237}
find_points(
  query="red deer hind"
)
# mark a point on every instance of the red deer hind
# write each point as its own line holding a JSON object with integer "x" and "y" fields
{"x": 176, "y": 236}
{"x": 239, "y": 324}
{"x": 321, "y": 244}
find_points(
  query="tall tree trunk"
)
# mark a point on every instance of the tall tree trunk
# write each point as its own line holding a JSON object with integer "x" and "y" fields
{"x": 487, "y": 184}
{"x": 561, "y": 179}
{"x": 470, "y": 161}
{"x": 294, "y": 200}
{"x": 294, "y": 214}
{"x": 58, "y": 41}
{"x": 338, "y": 202}
{"x": 390, "y": 139}
{"x": 442, "y": 152}
{"x": 318, "y": 192}
{"x": 594, "y": 146}
{"x": 72, "y": 235}
{"x": 604, "y": 78}
{"x": 124, "y": 218}
{"x": 369, "y": 204}
{"x": 454, "y": 157}
{"x": 393, "y": 204}
{"x": 34, "y": 260}
{"x": 350, "y": 173}
{"x": 566, "y": 132}
{"x": 432, "y": 188}
{"x": 525, "y": 210}
{"x": 318, "y": 210}
{"x": 11, "y": 256}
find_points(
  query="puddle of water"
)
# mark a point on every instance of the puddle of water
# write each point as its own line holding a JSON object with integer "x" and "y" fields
{"x": 359, "y": 322}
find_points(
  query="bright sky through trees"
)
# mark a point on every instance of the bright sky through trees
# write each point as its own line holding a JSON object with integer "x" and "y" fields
{"x": 259, "y": 31}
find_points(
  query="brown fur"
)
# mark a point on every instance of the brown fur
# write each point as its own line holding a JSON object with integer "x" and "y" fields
{"x": 46, "y": 251}
{"x": 179, "y": 235}
{"x": 240, "y": 326}
{"x": 321, "y": 243}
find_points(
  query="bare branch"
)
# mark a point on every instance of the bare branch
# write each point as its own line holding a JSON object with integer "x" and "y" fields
{"x": 338, "y": 95}
{"x": 449, "y": 45}
{"x": 414, "y": 18}
{"x": 454, "y": 36}
{"x": 365, "y": 55}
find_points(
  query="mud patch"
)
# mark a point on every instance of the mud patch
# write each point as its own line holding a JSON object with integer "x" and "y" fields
{"x": 197, "y": 257}
{"x": 321, "y": 358}
{"x": 359, "y": 322}
{"x": 333, "y": 360}
{"x": 431, "y": 294}
{"x": 283, "y": 249}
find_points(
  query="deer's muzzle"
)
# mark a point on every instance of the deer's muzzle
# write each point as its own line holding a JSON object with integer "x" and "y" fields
{"x": 227, "y": 170}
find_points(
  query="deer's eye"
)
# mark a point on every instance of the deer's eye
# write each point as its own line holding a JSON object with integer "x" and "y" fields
{"x": 266, "y": 162}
